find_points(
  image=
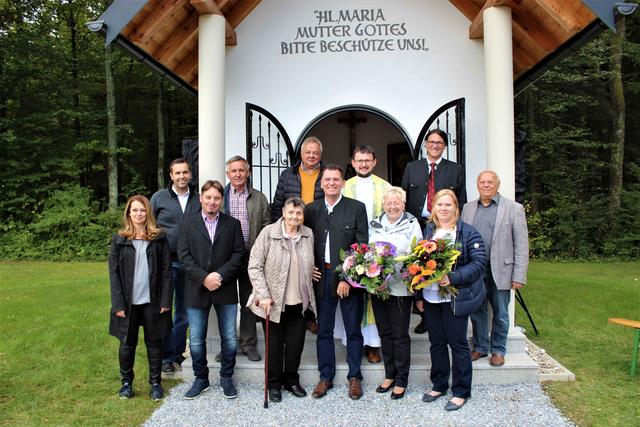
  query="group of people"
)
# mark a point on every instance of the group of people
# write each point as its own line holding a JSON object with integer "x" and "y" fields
{"x": 280, "y": 264}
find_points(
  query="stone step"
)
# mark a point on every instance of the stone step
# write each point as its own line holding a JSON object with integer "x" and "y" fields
{"x": 518, "y": 368}
{"x": 516, "y": 342}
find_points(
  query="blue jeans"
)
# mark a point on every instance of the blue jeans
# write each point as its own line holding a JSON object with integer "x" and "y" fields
{"x": 174, "y": 345}
{"x": 499, "y": 301}
{"x": 352, "y": 308}
{"x": 198, "y": 321}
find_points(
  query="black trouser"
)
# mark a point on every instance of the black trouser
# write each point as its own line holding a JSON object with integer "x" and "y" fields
{"x": 447, "y": 329}
{"x": 392, "y": 320}
{"x": 286, "y": 342}
{"x": 248, "y": 335}
{"x": 141, "y": 315}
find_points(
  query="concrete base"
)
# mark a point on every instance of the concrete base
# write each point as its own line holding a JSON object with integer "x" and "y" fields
{"x": 518, "y": 368}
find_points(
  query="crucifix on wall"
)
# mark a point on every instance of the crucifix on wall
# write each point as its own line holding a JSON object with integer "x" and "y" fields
{"x": 351, "y": 121}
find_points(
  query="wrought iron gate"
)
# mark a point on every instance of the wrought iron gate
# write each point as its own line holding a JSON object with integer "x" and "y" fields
{"x": 450, "y": 119}
{"x": 269, "y": 149}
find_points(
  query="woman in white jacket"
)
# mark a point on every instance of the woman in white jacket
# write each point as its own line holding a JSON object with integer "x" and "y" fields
{"x": 392, "y": 315}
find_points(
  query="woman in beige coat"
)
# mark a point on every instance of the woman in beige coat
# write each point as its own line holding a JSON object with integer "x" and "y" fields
{"x": 280, "y": 269}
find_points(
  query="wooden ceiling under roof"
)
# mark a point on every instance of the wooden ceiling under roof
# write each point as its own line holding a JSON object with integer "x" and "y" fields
{"x": 167, "y": 30}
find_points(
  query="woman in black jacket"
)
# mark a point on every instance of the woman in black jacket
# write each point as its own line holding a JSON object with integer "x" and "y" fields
{"x": 141, "y": 292}
{"x": 447, "y": 317}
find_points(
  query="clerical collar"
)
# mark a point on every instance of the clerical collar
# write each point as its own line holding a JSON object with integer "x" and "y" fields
{"x": 365, "y": 179}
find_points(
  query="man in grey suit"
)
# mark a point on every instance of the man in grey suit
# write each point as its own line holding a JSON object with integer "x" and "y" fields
{"x": 503, "y": 227}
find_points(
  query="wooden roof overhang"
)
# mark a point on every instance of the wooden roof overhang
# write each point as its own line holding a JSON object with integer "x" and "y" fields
{"x": 164, "y": 33}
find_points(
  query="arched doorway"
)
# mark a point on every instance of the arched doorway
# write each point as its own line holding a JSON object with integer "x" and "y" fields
{"x": 270, "y": 150}
{"x": 342, "y": 129}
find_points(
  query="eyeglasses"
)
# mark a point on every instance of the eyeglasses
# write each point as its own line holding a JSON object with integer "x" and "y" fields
{"x": 360, "y": 162}
{"x": 435, "y": 142}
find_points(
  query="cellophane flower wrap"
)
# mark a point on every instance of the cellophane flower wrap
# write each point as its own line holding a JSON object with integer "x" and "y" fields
{"x": 427, "y": 263}
{"x": 369, "y": 266}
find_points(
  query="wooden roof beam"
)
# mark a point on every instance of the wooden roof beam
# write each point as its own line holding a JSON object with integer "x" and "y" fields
{"x": 154, "y": 21}
{"x": 242, "y": 9}
{"x": 476, "y": 29}
{"x": 563, "y": 15}
{"x": 523, "y": 58}
{"x": 468, "y": 9}
{"x": 222, "y": 3}
{"x": 209, "y": 7}
{"x": 529, "y": 30}
{"x": 180, "y": 38}
{"x": 188, "y": 66}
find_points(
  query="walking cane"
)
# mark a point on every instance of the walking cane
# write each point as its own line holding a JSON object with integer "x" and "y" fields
{"x": 520, "y": 300}
{"x": 266, "y": 363}
{"x": 266, "y": 358}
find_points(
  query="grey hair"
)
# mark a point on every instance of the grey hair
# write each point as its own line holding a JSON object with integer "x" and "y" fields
{"x": 395, "y": 191}
{"x": 311, "y": 139}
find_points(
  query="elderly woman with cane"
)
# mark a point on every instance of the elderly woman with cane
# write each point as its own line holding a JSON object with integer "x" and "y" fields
{"x": 281, "y": 269}
{"x": 141, "y": 292}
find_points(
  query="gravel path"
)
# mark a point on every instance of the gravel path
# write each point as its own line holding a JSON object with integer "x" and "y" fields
{"x": 499, "y": 405}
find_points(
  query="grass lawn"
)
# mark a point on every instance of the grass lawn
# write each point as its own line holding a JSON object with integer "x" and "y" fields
{"x": 58, "y": 365}
{"x": 570, "y": 303}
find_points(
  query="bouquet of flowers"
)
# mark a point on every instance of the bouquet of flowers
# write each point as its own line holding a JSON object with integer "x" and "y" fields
{"x": 428, "y": 262}
{"x": 368, "y": 266}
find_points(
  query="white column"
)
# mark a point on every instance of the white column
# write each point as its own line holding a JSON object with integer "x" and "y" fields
{"x": 211, "y": 67}
{"x": 498, "y": 67}
{"x": 211, "y": 153}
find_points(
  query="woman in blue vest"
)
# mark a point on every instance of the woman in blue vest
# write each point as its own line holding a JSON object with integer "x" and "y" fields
{"x": 447, "y": 317}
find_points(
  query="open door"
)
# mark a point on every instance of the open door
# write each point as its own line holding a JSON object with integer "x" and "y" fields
{"x": 269, "y": 149}
{"x": 450, "y": 119}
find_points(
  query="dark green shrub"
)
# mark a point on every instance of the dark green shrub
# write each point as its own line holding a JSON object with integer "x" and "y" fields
{"x": 69, "y": 228}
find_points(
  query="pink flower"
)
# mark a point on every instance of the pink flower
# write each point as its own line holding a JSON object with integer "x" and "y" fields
{"x": 348, "y": 262}
{"x": 373, "y": 270}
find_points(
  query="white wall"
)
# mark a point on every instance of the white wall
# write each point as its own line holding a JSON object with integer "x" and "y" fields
{"x": 407, "y": 85}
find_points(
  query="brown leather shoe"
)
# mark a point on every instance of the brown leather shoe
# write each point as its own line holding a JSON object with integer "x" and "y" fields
{"x": 373, "y": 354}
{"x": 355, "y": 389}
{"x": 312, "y": 327}
{"x": 475, "y": 355}
{"x": 497, "y": 360}
{"x": 322, "y": 388}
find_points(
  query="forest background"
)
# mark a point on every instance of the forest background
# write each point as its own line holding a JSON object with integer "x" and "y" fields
{"x": 82, "y": 127}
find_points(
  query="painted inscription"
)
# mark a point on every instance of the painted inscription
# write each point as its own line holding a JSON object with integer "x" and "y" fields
{"x": 352, "y": 31}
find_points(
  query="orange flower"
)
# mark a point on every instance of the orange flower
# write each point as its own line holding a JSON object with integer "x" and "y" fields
{"x": 431, "y": 264}
{"x": 413, "y": 269}
{"x": 431, "y": 246}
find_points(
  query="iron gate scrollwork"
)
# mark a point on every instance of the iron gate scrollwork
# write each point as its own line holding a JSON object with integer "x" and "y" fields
{"x": 450, "y": 119}
{"x": 269, "y": 149}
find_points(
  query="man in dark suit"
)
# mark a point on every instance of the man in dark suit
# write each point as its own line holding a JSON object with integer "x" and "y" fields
{"x": 211, "y": 249}
{"x": 337, "y": 222}
{"x": 423, "y": 178}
